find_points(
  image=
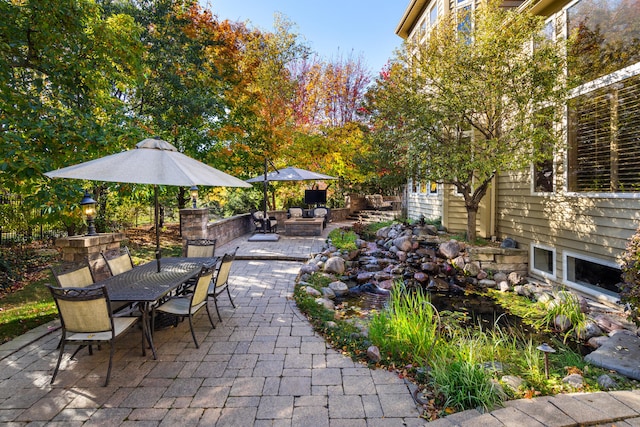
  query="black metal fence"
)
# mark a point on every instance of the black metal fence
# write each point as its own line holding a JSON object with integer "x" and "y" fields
{"x": 18, "y": 225}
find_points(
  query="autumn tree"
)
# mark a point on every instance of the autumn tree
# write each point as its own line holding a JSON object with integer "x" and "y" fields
{"x": 330, "y": 135}
{"x": 475, "y": 99}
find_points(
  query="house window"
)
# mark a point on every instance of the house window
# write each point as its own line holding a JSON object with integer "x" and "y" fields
{"x": 604, "y": 139}
{"x": 543, "y": 167}
{"x": 543, "y": 176}
{"x": 422, "y": 31}
{"x": 605, "y": 37}
{"x": 591, "y": 275}
{"x": 464, "y": 22}
{"x": 413, "y": 185}
{"x": 433, "y": 187}
{"x": 543, "y": 260}
{"x": 433, "y": 15}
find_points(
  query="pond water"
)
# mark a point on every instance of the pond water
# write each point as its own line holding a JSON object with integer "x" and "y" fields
{"x": 478, "y": 310}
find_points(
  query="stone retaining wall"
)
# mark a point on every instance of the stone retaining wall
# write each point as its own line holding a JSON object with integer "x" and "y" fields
{"x": 195, "y": 224}
{"x": 499, "y": 259}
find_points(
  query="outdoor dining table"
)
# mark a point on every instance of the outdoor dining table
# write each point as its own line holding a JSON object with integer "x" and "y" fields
{"x": 145, "y": 285}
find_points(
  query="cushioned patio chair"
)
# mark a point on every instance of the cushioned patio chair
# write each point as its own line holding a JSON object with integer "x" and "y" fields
{"x": 220, "y": 283}
{"x": 295, "y": 212}
{"x": 188, "y": 304}
{"x": 322, "y": 212}
{"x": 268, "y": 225}
{"x": 85, "y": 315}
{"x": 201, "y": 248}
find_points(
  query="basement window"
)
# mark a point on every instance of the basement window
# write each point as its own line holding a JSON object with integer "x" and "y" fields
{"x": 591, "y": 275}
{"x": 543, "y": 260}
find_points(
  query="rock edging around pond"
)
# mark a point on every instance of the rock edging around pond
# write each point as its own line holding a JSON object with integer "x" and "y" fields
{"x": 417, "y": 256}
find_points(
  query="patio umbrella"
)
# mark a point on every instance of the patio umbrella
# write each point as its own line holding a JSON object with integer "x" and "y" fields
{"x": 285, "y": 174}
{"x": 154, "y": 162}
{"x": 291, "y": 174}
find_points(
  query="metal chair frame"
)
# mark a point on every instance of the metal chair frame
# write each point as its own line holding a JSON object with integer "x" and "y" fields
{"x": 221, "y": 282}
{"x": 200, "y": 248}
{"x": 188, "y": 304}
{"x": 119, "y": 263}
{"x": 86, "y": 319}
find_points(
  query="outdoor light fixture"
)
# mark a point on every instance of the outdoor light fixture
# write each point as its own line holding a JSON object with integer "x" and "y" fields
{"x": 89, "y": 211}
{"x": 546, "y": 349}
{"x": 194, "y": 195}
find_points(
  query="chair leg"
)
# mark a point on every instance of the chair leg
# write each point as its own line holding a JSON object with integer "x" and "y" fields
{"x": 106, "y": 381}
{"x": 230, "y": 299}
{"x": 209, "y": 314}
{"x": 193, "y": 333}
{"x": 55, "y": 371}
{"x": 215, "y": 301}
{"x": 153, "y": 322}
{"x": 80, "y": 347}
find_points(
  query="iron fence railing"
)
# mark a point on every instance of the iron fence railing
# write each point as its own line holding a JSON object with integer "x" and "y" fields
{"x": 19, "y": 225}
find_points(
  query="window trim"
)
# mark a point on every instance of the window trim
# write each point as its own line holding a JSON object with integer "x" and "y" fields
{"x": 598, "y": 293}
{"x": 584, "y": 90}
{"x": 542, "y": 273}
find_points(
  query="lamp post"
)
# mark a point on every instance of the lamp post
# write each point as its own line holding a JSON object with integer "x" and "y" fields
{"x": 89, "y": 211}
{"x": 546, "y": 349}
{"x": 194, "y": 195}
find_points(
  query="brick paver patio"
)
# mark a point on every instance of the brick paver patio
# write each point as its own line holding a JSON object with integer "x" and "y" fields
{"x": 262, "y": 366}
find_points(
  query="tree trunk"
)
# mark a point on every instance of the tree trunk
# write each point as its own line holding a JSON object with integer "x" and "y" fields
{"x": 472, "y": 213}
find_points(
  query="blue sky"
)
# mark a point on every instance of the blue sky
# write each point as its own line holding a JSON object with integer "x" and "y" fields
{"x": 330, "y": 27}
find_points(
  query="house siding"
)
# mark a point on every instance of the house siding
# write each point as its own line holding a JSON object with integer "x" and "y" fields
{"x": 427, "y": 205}
{"x": 596, "y": 227}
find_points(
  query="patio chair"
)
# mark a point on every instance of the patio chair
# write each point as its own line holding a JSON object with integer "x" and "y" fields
{"x": 86, "y": 319}
{"x": 118, "y": 261}
{"x": 322, "y": 212}
{"x": 188, "y": 304}
{"x": 268, "y": 225}
{"x": 221, "y": 282}
{"x": 201, "y": 248}
{"x": 76, "y": 274}
{"x": 295, "y": 212}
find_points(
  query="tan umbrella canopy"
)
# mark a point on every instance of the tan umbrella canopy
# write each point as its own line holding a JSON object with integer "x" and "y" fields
{"x": 155, "y": 162}
{"x": 291, "y": 174}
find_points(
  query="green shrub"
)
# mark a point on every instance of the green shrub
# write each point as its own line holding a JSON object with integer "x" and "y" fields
{"x": 343, "y": 240}
{"x": 630, "y": 287}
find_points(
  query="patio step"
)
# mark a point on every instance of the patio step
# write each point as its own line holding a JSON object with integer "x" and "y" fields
{"x": 371, "y": 216}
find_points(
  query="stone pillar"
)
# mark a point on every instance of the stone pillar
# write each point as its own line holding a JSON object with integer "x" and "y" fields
{"x": 78, "y": 248}
{"x": 193, "y": 223}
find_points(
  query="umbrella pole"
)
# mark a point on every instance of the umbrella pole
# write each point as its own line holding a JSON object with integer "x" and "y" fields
{"x": 157, "y": 219}
{"x": 265, "y": 184}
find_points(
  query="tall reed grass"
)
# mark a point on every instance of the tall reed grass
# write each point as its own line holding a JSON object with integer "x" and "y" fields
{"x": 407, "y": 330}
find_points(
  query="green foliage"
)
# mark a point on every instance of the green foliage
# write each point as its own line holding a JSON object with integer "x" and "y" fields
{"x": 343, "y": 240}
{"x": 565, "y": 304}
{"x": 407, "y": 331}
{"x": 630, "y": 288}
{"x": 465, "y": 384}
